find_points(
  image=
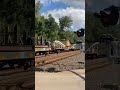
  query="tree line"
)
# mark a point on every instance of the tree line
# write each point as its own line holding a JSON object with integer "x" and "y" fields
{"x": 49, "y": 29}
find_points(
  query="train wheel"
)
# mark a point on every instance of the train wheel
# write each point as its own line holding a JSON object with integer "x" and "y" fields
{"x": 40, "y": 53}
{"x": 32, "y": 63}
{"x": 11, "y": 64}
{"x": 1, "y": 65}
{"x": 26, "y": 65}
{"x": 37, "y": 54}
{"x": 20, "y": 64}
{"x": 58, "y": 51}
{"x": 46, "y": 53}
{"x": 94, "y": 56}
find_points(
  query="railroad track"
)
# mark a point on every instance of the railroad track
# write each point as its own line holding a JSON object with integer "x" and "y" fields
{"x": 40, "y": 61}
{"x": 14, "y": 80}
{"x": 96, "y": 64}
{"x": 12, "y": 71}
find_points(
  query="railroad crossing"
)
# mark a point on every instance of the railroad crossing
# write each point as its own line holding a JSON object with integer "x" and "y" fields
{"x": 65, "y": 80}
{"x": 102, "y": 71}
{"x": 65, "y": 71}
{"x": 17, "y": 79}
{"x": 105, "y": 75}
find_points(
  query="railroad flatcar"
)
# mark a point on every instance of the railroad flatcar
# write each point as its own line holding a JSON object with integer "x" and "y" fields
{"x": 78, "y": 46}
{"x": 75, "y": 47}
{"x": 55, "y": 47}
{"x": 58, "y": 46}
{"x": 16, "y": 55}
{"x": 16, "y": 49}
{"x": 42, "y": 49}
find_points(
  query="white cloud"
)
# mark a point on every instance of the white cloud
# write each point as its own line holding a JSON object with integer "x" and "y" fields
{"x": 73, "y": 3}
{"x": 76, "y": 11}
{"x": 77, "y": 15}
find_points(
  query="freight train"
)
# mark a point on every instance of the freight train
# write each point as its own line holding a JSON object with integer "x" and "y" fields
{"x": 16, "y": 55}
{"x": 78, "y": 46}
{"x": 16, "y": 51}
{"x": 55, "y": 47}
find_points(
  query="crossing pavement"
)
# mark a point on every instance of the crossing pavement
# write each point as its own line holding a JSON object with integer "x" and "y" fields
{"x": 107, "y": 75}
{"x": 66, "y": 80}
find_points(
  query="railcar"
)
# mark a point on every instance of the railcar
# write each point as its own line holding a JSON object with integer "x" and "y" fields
{"x": 42, "y": 49}
{"x": 16, "y": 50}
{"x": 16, "y": 55}
{"x": 55, "y": 47}
{"x": 58, "y": 46}
{"x": 75, "y": 47}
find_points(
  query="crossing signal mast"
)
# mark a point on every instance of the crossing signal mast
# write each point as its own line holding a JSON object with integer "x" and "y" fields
{"x": 80, "y": 33}
{"x": 109, "y": 19}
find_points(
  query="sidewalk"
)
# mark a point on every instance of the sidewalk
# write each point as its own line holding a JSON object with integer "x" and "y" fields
{"x": 67, "y": 80}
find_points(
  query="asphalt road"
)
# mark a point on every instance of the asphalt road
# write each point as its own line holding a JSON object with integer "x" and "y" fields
{"x": 107, "y": 75}
{"x": 74, "y": 79}
{"x": 66, "y": 80}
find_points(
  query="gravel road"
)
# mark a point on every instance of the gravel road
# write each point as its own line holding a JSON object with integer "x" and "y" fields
{"x": 70, "y": 63}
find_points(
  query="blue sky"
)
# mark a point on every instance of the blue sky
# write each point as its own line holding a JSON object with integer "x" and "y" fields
{"x": 72, "y": 8}
{"x": 52, "y": 6}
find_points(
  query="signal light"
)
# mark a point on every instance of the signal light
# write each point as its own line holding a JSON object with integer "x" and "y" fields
{"x": 105, "y": 19}
{"x": 80, "y": 33}
{"x": 108, "y": 19}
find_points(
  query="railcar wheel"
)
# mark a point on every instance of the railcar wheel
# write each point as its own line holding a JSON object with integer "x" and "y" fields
{"x": 1, "y": 65}
{"x": 20, "y": 64}
{"x": 32, "y": 63}
{"x": 59, "y": 51}
{"x": 11, "y": 64}
{"x": 26, "y": 65}
{"x": 56, "y": 51}
{"x": 36, "y": 54}
{"x": 94, "y": 56}
{"x": 46, "y": 53}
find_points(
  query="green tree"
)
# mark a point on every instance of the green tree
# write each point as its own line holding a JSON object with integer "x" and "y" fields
{"x": 52, "y": 28}
{"x": 49, "y": 29}
{"x": 65, "y": 22}
{"x": 71, "y": 36}
{"x": 38, "y": 6}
